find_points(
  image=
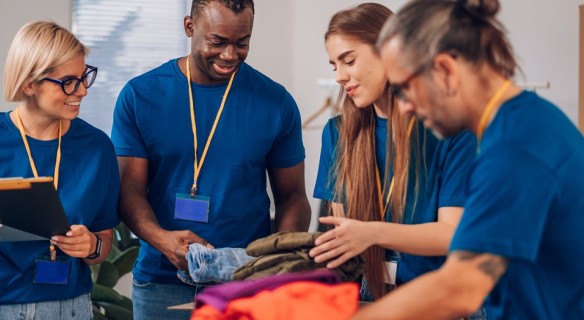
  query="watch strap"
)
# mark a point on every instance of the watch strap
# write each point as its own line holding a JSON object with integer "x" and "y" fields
{"x": 97, "y": 252}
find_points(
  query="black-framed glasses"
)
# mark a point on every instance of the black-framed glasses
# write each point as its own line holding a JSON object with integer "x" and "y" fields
{"x": 71, "y": 84}
{"x": 396, "y": 90}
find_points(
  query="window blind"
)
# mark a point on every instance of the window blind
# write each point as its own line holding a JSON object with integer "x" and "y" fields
{"x": 126, "y": 38}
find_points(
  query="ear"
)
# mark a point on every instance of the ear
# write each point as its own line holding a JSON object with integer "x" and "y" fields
{"x": 28, "y": 88}
{"x": 447, "y": 73}
{"x": 188, "y": 26}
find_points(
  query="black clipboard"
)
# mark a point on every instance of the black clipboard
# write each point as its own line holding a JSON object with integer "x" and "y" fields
{"x": 30, "y": 209}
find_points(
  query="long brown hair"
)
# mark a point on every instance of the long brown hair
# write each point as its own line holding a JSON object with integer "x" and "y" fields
{"x": 356, "y": 165}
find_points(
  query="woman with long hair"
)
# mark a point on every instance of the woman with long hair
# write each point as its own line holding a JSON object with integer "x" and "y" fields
{"x": 396, "y": 190}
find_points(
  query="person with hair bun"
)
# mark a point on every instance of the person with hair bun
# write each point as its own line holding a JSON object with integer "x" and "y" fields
{"x": 46, "y": 74}
{"x": 519, "y": 246}
{"x": 396, "y": 190}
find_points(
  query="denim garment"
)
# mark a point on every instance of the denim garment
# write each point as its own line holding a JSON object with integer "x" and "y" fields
{"x": 151, "y": 300}
{"x": 212, "y": 265}
{"x": 78, "y": 308}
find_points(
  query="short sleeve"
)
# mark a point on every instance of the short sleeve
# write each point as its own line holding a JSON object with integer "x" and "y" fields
{"x": 288, "y": 149}
{"x": 510, "y": 196}
{"x": 125, "y": 132}
{"x": 325, "y": 180}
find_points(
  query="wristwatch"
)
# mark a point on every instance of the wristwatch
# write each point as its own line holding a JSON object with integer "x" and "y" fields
{"x": 97, "y": 252}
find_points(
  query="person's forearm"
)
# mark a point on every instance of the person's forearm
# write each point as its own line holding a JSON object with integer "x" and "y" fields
{"x": 427, "y": 239}
{"x": 137, "y": 214}
{"x": 293, "y": 214}
{"x": 440, "y": 301}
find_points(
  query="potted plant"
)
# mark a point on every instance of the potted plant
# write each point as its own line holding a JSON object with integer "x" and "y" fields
{"x": 108, "y": 304}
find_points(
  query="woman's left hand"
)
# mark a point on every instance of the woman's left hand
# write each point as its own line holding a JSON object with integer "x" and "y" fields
{"x": 348, "y": 239}
{"x": 78, "y": 242}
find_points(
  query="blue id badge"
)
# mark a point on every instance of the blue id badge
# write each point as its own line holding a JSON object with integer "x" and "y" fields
{"x": 191, "y": 208}
{"x": 51, "y": 271}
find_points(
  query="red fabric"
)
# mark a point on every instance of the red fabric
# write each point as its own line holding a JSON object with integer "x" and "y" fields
{"x": 295, "y": 301}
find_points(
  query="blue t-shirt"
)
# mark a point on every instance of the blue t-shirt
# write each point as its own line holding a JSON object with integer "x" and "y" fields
{"x": 88, "y": 188}
{"x": 441, "y": 184}
{"x": 259, "y": 129}
{"x": 526, "y": 203}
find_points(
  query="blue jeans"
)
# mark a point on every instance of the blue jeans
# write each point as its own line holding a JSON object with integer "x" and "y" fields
{"x": 151, "y": 300}
{"x": 78, "y": 308}
{"x": 212, "y": 265}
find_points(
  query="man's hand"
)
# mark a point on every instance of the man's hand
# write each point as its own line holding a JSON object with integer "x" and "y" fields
{"x": 175, "y": 246}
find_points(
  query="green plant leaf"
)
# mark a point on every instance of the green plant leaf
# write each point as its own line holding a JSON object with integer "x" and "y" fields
{"x": 125, "y": 261}
{"x": 108, "y": 274}
{"x": 104, "y": 294}
{"x": 94, "y": 271}
{"x": 116, "y": 312}
{"x": 105, "y": 276}
{"x": 114, "y": 253}
{"x": 123, "y": 236}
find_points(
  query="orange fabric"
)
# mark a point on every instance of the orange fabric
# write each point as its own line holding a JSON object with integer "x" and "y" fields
{"x": 295, "y": 301}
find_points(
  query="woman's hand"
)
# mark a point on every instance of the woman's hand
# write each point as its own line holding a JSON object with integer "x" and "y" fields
{"x": 78, "y": 242}
{"x": 348, "y": 239}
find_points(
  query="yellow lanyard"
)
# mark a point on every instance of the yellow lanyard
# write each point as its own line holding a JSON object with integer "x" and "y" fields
{"x": 198, "y": 164}
{"x": 32, "y": 165}
{"x": 490, "y": 108}
{"x": 382, "y": 205}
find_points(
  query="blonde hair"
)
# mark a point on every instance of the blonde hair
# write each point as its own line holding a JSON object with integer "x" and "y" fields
{"x": 37, "y": 48}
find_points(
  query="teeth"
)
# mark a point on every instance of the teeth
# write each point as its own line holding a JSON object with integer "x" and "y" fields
{"x": 73, "y": 103}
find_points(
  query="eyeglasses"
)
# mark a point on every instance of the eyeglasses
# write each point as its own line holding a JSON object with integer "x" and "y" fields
{"x": 71, "y": 84}
{"x": 396, "y": 90}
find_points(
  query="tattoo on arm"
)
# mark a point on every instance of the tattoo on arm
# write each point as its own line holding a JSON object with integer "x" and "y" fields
{"x": 466, "y": 255}
{"x": 491, "y": 265}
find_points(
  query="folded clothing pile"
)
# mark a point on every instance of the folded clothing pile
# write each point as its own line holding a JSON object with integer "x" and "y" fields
{"x": 285, "y": 252}
{"x": 318, "y": 294}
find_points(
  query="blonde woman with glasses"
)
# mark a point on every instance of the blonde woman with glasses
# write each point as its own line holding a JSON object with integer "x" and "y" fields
{"x": 46, "y": 74}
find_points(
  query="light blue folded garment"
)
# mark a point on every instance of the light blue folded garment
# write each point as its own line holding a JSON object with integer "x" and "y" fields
{"x": 212, "y": 265}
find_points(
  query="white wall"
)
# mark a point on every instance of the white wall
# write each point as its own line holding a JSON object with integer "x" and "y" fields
{"x": 544, "y": 34}
{"x": 15, "y": 13}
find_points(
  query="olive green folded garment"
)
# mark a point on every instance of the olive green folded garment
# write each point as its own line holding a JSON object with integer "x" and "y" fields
{"x": 288, "y": 252}
{"x": 281, "y": 241}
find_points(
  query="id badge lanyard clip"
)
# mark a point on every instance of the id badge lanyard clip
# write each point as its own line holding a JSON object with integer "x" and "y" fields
{"x": 199, "y": 164}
